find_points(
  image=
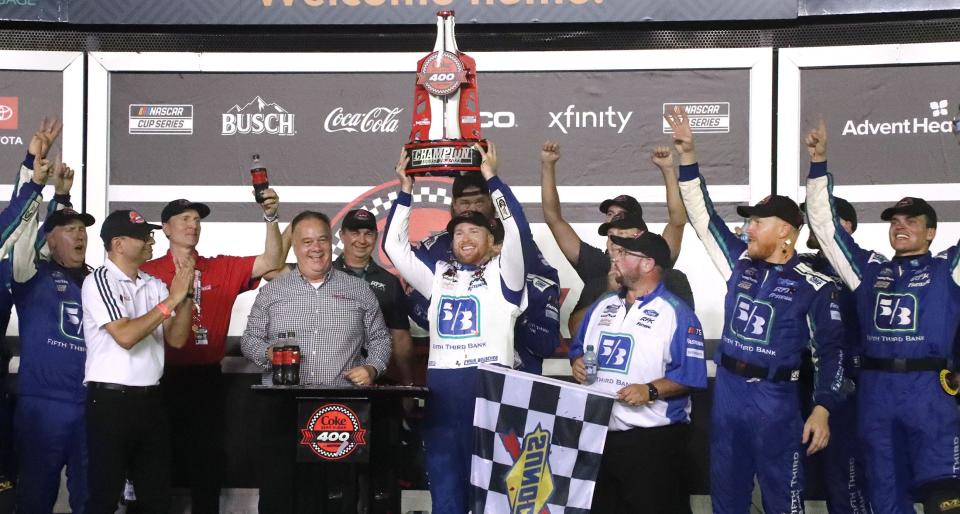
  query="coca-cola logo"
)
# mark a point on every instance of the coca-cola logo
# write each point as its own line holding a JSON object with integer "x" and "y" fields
{"x": 377, "y": 120}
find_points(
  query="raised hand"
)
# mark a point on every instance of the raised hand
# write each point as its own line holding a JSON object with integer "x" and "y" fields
{"x": 63, "y": 178}
{"x": 816, "y": 142}
{"x": 42, "y": 167}
{"x": 550, "y": 152}
{"x": 44, "y": 137}
{"x": 406, "y": 181}
{"x": 682, "y": 135}
{"x": 488, "y": 160}
{"x": 662, "y": 157}
{"x": 271, "y": 202}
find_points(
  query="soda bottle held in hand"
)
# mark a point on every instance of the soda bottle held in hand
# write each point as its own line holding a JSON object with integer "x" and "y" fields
{"x": 258, "y": 172}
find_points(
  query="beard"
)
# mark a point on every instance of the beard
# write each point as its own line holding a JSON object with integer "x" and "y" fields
{"x": 761, "y": 251}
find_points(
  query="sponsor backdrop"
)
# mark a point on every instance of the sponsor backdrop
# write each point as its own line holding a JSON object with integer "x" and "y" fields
{"x": 25, "y": 98}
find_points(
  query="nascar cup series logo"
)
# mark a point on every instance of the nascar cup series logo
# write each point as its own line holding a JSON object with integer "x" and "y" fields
{"x": 160, "y": 119}
{"x": 705, "y": 117}
{"x": 258, "y": 117}
{"x": 530, "y": 481}
{"x": 333, "y": 432}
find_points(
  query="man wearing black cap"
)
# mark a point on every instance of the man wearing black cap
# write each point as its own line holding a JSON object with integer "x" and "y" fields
{"x": 775, "y": 306}
{"x": 623, "y": 217}
{"x": 128, "y": 315}
{"x": 537, "y": 331}
{"x": 840, "y": 464}
{"x": 475, "y": 300}
{"x": 193, "y": 384}
{"x": 909, "y": 311}
{"x": 649, "y": 348}
{"x": 359, "y": 232}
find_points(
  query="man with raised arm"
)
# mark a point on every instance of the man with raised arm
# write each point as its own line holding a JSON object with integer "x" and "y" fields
{"x": 593, "y": 264}
{"x": 909, "y": 310}
{"x": 774, "y": 307}
{"x": 474, "y": 303}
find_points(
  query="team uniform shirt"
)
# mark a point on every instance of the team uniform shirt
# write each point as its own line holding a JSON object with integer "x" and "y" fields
{"x": 908, "y": 308}
{"x": 473, "y": 309}
{"x": 658, "y": 336}
{"x": 771, "y": 311}
{"x": 222, "y": 279}
{"x": 108, "y": 295}
{"x": 537, "y": 329}
{"x": 592, "y": 267}
{"x": 386, "y": 288}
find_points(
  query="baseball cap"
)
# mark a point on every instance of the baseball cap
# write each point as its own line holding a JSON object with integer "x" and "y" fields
{"x": 630, "y": 219}
{"x": 774, "y": 205}
{"x": 467, "y": 181}
{"x": 627, "y": 202}
{"x": 358, "y": 219}
{"x": 64, "y": 216}
{"x": 844, "y": 210}
{"x": 472, "y": 217}
{"x": 127, "y": 223}
{"x": 650, "y": 244}
{"x": 911, "y": 206}
{"x": 180, "y": 205}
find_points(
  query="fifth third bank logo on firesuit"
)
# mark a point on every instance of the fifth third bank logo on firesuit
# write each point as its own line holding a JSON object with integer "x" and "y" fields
{"x": 935, "y": 119}
{"x": 258, "y": 116}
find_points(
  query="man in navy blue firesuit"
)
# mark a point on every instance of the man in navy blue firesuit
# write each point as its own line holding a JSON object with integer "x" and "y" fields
{"x": 909, "y": 310}
{"x": 772, "y": 302}
{"x": 537, "y": 332}
{"x": 840, "y": 464}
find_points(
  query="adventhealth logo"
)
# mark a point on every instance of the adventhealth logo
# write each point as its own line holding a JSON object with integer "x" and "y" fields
{"x": 916, "y": 125}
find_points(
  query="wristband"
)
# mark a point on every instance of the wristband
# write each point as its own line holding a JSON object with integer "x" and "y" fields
{"x": 271, "y": 219}
{"x": 653, "y": 394}
{"x": 165, "y": 310}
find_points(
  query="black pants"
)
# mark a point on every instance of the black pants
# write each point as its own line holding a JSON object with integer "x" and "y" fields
{"x": 195, "y": 398}
{"x": 641, "y": 471}
{"x": 128, "y": 436}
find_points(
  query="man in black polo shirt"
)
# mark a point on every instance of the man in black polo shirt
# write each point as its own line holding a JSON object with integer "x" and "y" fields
{"x": 358, "y": 231}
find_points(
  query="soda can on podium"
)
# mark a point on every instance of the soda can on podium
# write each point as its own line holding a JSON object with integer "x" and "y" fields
{"x": 446, "y": 109}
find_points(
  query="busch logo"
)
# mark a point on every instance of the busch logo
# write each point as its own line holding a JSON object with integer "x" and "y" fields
{"x": 258, "y": 117}
{"x": 378, "y": 119}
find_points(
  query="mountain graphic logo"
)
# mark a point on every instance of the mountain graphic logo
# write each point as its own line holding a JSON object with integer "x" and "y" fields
{"x": 258, "y": 116}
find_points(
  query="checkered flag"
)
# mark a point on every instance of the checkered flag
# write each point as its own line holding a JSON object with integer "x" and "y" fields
{"x": 537, "y": 443}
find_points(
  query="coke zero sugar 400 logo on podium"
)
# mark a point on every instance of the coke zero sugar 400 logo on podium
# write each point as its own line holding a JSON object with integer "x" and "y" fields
{"x": 333, "y": 431}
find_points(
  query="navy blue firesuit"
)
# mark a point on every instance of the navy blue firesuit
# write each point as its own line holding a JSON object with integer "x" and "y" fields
{"x": 771, "y": 313}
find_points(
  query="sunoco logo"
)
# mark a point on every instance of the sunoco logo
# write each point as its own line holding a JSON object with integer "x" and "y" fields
{"x": 258, "y": 117}
{"x": 333, "y": 432}
{"x": 378, "y": 120}
{"x": 705, "y": 117}
{"x": 529, "y": 482}
{"x": 917, "y": 125}
{"x": 160, "y": 119}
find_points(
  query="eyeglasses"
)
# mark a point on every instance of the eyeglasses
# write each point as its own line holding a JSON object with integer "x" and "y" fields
{"x": 619, "y": 253}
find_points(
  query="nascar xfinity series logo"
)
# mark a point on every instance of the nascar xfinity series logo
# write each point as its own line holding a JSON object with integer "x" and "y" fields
{"x": 258, "y": 117}
{"x": 161, "y": 119}
{"x": 705, "y": 117}
{"x": 937, "y": 122}
{"x": 530, "y": 481}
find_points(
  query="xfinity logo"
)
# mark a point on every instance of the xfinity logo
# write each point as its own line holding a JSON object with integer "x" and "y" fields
{"x": 917, "y": 125}
{"x": 377, "y": 120}
{"x": 569, "y": 119}
{"x": 258, "y": 117}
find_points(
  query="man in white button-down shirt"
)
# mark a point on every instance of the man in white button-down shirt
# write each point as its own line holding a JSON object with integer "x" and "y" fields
{"x": 127, "y": 317}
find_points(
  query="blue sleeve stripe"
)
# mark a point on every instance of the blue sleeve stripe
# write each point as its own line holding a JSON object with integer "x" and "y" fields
{"x": 839, "y": 231}
{"x": 32, "y": 193}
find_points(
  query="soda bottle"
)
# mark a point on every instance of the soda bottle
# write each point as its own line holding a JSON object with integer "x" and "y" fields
{"x": 291, "y": 374}
{"x": 278, "y": 357}
{"x": 590, "y": 364}
{"x": 259, "y": 175}
{"x": 743, "y": 231}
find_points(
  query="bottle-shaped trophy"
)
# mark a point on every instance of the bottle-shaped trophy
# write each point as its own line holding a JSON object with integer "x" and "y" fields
{"x": 446, "y": 109}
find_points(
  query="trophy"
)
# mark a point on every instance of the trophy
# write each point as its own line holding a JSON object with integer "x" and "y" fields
{"x": 446, "y": 110}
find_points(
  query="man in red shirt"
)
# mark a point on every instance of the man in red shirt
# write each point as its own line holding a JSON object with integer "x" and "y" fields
{"x": 192, "y": 381}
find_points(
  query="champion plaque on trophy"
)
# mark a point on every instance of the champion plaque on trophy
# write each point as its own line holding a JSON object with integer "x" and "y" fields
{"x": 446, "y": 110}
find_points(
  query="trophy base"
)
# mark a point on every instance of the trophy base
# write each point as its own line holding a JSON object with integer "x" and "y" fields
{"x": 445, "y": 158}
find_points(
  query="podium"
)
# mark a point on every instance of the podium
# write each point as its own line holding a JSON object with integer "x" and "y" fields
{"x": 346, "y": 440}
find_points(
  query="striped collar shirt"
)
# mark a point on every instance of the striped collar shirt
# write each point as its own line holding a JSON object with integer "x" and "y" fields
{"x": 332, "y": 323}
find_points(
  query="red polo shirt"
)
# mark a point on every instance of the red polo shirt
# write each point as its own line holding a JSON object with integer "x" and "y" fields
{"x": 222, "y": 278}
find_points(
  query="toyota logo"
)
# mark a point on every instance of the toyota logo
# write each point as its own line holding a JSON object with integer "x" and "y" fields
{"x": 6, "y": 112}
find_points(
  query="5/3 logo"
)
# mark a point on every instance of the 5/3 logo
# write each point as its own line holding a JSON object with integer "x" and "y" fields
{"x": 615, "y": 351}
{"x": 458, "y": 316}
{"x": 752, "y": 320}
{"x": 70, "y": 320}
{"x": 896, "y": 312}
